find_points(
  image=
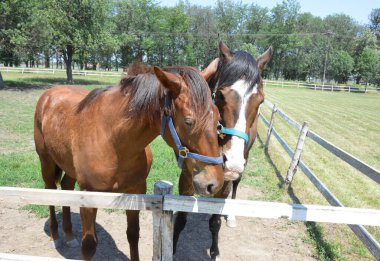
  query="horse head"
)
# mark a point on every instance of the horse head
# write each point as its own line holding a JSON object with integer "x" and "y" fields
{"x": 237, "y": 87}
{"x": 193, "y": 117}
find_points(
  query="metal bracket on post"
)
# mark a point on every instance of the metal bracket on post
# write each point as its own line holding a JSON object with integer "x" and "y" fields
{"x": 297, "y": 154}
{"x": 162, "y": 225}
{"x": 274, "y": 110}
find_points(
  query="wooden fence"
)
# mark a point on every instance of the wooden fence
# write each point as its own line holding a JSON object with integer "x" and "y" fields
{"x": 367, "y": 239}
{"x": 61, "y": 71}
{"x": 323, "y": 87}
{"x": 163, "y": 204}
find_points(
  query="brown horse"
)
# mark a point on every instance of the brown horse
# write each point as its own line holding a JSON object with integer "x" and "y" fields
{"x": 237, "y": 87}
{"x": 100, "y": 139}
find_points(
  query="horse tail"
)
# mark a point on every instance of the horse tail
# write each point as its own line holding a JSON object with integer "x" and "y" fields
{"x": 58, "y": 175}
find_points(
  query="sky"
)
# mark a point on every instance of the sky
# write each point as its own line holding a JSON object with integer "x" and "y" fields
{"x": 357, "y": 9}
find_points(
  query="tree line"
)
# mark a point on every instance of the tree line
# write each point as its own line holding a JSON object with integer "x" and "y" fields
{"x": 108, "y": 35}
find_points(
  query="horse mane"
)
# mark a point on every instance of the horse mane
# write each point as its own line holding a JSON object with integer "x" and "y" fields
{"x": 241, "y": 66}
{"x": 146, "y": 94}
{"x": 90, "y": 97}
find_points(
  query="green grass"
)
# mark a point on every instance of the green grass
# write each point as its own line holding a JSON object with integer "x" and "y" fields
{"x": 349, "y": 121}
{"x": 19, "y": 164}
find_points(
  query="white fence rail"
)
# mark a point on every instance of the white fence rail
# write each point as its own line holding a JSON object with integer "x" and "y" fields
{"x": 322, "y": 87}
{"x": 60, "y": 71}
{"x": 165, "y": 203}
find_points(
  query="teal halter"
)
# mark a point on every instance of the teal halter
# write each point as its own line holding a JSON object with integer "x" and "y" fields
{"x": 233, "y": 132}
{"x": 230, "y": 131}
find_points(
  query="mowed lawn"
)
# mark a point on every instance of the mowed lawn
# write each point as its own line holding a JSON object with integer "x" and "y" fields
{"x": 348, "y": 120}
{"x": 19, "y": 165}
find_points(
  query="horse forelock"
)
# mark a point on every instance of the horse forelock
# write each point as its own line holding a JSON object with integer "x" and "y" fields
{"x": 242, "y": 66}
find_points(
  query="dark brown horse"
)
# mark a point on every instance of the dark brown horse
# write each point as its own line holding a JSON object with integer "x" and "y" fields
{"x": 237, "y": 87}
{"x": 100, "y": 140}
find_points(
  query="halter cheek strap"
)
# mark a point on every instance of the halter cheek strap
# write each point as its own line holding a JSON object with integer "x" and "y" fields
{"x": 183, "y": 152}
{"x": 230, "y": 131}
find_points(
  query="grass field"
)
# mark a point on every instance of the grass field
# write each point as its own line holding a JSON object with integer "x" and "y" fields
{"x": 19, "y": 165}
{"x": 348, "y": 120}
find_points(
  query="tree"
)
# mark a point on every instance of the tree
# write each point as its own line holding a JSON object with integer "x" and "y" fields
{"x": 374, "y": 19}
{"x": 341, "y": 66}
{"x": 76, "y": 25}
{"x": 367, "y": 65}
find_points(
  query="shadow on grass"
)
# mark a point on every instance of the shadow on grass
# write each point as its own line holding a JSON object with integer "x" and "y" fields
{"x": 48, "y": 82}
{"x": 325, "y": 250}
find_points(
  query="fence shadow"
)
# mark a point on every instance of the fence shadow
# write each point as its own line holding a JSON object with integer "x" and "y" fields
{"x": 106, "y": 249}
{"x": 195, "y": 240}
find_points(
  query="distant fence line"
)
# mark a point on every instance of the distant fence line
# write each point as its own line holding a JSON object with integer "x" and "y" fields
{"x": 277, "y": 83}
{"x": 367, "y": 239}
{"x": 60, "y": 71}
{"x": 322, "y": 87}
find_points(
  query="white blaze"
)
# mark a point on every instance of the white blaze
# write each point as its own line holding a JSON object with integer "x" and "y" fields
{"x": 235, "y": 155}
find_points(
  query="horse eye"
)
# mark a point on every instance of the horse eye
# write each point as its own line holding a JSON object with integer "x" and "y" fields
{"x": 189, "y": 121}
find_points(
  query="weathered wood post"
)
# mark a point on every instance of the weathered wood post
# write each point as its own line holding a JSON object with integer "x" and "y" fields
{"x": 162, "y": 226}
{"x": 274, "y": 110}
{"x": 297, "y": 154}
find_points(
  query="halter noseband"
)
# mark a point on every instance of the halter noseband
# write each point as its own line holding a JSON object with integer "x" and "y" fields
{"x": 183, "y": 152}
{"x": 230, "y": 131}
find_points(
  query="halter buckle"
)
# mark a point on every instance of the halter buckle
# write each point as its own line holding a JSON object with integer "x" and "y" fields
{"x": 183, "y": 152}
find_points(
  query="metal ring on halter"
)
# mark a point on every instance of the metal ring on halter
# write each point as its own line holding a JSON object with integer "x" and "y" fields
{"x": 183, "y": 152}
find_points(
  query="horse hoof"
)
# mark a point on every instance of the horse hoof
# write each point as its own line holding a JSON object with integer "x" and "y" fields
{"x": 54, "y": 244}
{"x": 231, "y": 221}
{"x": 72, "y": 243}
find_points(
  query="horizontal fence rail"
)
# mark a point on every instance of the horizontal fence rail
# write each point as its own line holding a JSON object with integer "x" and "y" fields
{"x": 81, "y": 198}
{"x": 60, "y": 71}
{"x": 322, "y": 87}
{"x": 367, "y": 239}
{"x": 169, "y": 202}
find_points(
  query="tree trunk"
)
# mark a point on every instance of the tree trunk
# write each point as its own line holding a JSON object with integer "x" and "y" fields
{"x": 2, "y": 85}
{"x": 47, "y": 59}
{"x": 68, "y": 58}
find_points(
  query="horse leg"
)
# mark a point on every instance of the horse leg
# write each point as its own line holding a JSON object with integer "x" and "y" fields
{"x": 214, "y": 225}
{"x": 179, "y": 225}
{"x": 68, "y": 183}
{"x": 215, "y": 222}
{"x": 89, "y": 238}
{"x": 133, "y": 233}
{"x": 231, "y": 219}
{"x": 51, "y": 172}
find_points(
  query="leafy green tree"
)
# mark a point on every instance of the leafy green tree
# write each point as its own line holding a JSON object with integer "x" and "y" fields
{"x": 76, "y": 25}
{"x": 341, "y": 66}
{"x": 367, "y": 65}
{"x": 374, "y": 19}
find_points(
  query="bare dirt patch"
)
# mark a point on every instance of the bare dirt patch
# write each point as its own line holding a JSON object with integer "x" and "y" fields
{"x": 21, "y": 232}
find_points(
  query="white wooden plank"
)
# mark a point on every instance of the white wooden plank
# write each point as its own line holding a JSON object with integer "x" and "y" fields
{"x": 273, "y": 210}
{"x": 81, "y": 198}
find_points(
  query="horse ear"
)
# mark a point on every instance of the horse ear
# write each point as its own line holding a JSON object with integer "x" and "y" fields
{"x": 210, "y": 69}
{"x": 225, "y": 51}
{"x": 264, "y": 58}
{"x": 170, "y": 81}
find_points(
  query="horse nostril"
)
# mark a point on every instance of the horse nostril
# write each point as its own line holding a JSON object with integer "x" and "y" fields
{"x": 210, "y": 189}
{"x": 224, "y": 158}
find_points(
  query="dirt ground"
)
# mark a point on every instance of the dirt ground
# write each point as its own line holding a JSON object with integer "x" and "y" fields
{"x": 21, "y": 232}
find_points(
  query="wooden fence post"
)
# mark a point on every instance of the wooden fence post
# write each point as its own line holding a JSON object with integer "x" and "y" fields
{"x": 162, "y": 226}
{"x": 297, "y": 154}
{"x": 274, "y": 110}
